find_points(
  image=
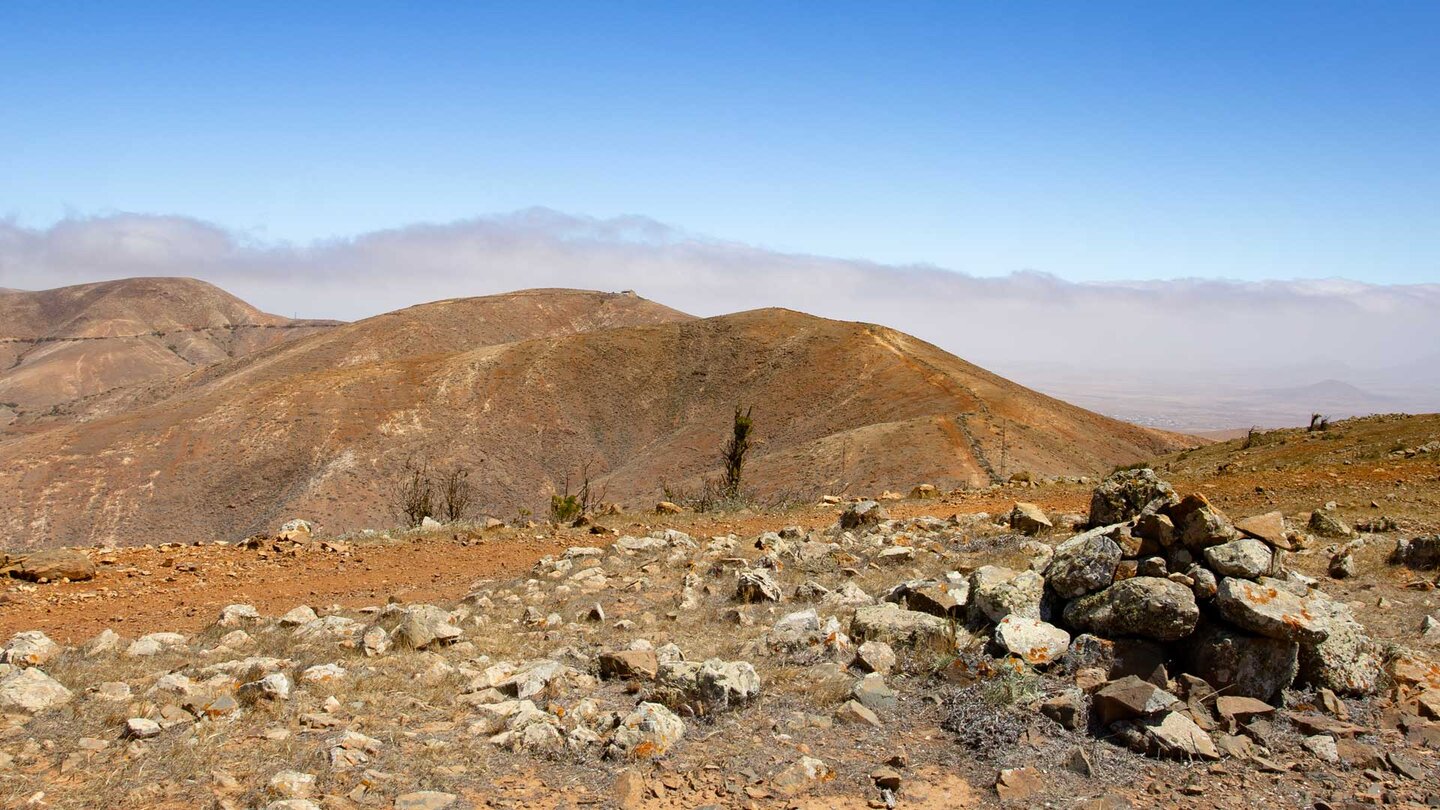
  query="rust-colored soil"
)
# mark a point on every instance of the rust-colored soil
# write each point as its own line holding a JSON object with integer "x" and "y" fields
{"x": 150, "y": 589}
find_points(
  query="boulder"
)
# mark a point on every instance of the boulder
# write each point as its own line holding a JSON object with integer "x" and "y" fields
{"x": 1325, "y": 524}
{"x": 1270, "y": 609}
{"x": 1124, "y": 495}
{"x": 797, "y": 629}
{"x": 1148, "y": 607}
{"x": 864, "y": 513}
{"x": 54, "y": 565}
{"x": 141, "y": 728}
{"x": 1199, "y": 524}
{"x": 1130, "y": 698}
{"x": 906, "y": 628}
{"x": 238, "y": 615}
{"x": 1067, "y": 708}
{"x": 875, "y": 656}
{"x": 874, "y": 694}
{"x": 801, "y": 776}
{"x": 1156, "y": 528}
{"x": 1083, "y": 564}
{"x": 1269, "y": 528}
{"x": 1175, "y": 735}
{"x": 628, "y": 664}
{"x": 648, "y": 731}
{"x": 1347, "y": 661}
{"x": 28, "y": 649}
{"x": 1029, "y": 519}
{"x": 30, "y": 691}
{"x": 946, "y": 600}
{"x": 1246, "y": 557}
{"x": 422, "y": 626}
{"x": 997, "y": 592}
{"x": 723, "y": 684}
{"x": 303, "y": 614}
{"x": 1036, "y": 642}
{"x": 757, "y": 586}
{"x": 156, "y": 643}
{"x": 1420, "y": 553}
{"x": 1240, "y": 663}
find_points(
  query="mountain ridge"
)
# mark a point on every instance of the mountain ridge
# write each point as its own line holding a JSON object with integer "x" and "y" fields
{"x": 637, "y": 392}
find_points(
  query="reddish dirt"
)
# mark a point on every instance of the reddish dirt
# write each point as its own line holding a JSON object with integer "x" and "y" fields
{"x": 182, "y": 588}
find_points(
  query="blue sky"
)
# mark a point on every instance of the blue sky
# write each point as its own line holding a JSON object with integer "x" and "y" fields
{"x": 1094, "y": 141}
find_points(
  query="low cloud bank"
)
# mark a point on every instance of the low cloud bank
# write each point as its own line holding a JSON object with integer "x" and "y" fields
{"x": 1032, "y": 325}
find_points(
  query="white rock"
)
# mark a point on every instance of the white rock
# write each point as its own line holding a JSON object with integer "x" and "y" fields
{"x": 291, "y": 784}
{"x": 140, "y": 728}
{"x": 156, "y": 643}
{"x": 238, "y": 615}
{"x": 28, "y": 649}
{"x": 298, "y": 616}
{"x": 30, "y": 690}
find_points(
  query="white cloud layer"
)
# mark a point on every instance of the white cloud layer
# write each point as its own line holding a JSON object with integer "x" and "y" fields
{"x": 1066, "y": 337}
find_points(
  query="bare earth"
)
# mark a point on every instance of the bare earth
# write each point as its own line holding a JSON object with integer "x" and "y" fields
{"x": 751, "y": 755}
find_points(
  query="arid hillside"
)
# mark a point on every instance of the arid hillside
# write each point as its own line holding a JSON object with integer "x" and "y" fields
{"x": 61, "y": 345}
{"x": 528, "y": 390}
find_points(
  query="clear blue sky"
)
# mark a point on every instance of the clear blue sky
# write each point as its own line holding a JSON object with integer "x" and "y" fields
{"x": 1093, "y": 140}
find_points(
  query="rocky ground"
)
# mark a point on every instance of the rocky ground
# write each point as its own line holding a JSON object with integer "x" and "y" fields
{"x": 1252, "y": 633}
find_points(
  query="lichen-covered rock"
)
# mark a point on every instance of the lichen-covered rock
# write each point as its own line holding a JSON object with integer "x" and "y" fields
{"x": 1200, "y": 524}
{"x": 29, "y": 648}
{"x": 724, "y": 684}
{"x": 649, "y": 731}
{"x": 998, "y": 592}
{"x": 1036, "y": 642}
{"x": 420, "y": 626}
{"x": 1347, "y": 661}
{"x": 1148, "y": 607}
{"x": 864, "y": 513}
{"x": 1125, "y": 494}
{"x": 1420, "y": 553}
{"x": 1245, "y": 557}
{"x": 1083, "y": 564}
{"x": 1240, "y": 663}
{"x": 903, "y": 628}
{"x": 757, "y": 586}
{"x": 1272, "y": 609}
{"x": 1325, "y": 524}
{"x": 715, "y": 684}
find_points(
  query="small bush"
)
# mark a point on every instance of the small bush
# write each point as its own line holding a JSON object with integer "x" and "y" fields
{"x": 734, "y": 451}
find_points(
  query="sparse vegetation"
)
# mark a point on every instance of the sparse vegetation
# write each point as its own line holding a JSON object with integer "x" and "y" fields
{"x": 420, "y": 492}
{"x": 1318, "y": 422}
{"x": 567, "y": 507}
{"x": 735, "y": 450}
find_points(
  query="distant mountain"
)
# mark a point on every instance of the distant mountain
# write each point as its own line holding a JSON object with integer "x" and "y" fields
{"x": 60, "y": 345}
{"x": 531, "y": 389}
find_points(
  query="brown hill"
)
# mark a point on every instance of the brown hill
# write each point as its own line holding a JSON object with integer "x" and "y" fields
{"x": 60, "y": 345}
{"x": 320, "y": 427}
